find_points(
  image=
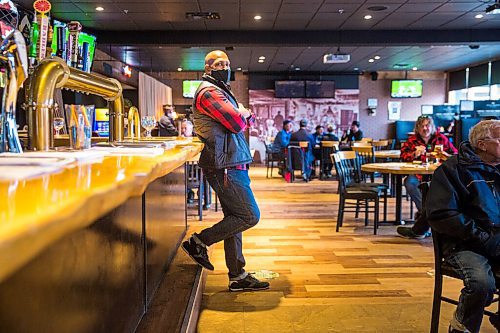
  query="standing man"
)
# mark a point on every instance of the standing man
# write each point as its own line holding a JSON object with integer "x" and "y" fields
{"x": 423, "y": 141}
{"x": 463, "y": 205}
{"x": 220, "y": 122}
{"x": 355, "y": 134}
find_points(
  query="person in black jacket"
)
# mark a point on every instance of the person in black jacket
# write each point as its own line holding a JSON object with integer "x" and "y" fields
{"x": 463, "y": 204}
{"x": 303, "y": 135}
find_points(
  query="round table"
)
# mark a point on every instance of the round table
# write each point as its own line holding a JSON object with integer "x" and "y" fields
{"x": 400, "y": 169}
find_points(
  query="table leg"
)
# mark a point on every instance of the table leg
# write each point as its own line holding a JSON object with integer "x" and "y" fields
{"x": 399, "y": 195}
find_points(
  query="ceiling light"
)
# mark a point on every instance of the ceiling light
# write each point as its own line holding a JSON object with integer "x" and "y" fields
{"x": 367, "y": 17}
{"x": 356, "y": 68}
{"x": 371, "y": 60}
{"x": 99, "y": 9}
{"x": 261, "y": 60}
{"x": 257, "y": 17}
{"x": 414, "y": 68}
{"x": 297, "y": 68}
{"x": 179, "y": 69}
{"x": 376, "y": 57}
{"x": 478, "y": 16}
{"x": 494, "y": 8}
{"x": 238, "y": 69}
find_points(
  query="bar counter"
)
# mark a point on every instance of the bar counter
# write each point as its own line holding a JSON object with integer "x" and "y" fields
{"x": 48, "y": 241}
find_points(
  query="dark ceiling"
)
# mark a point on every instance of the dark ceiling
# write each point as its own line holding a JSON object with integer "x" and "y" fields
{"x": 156, "y": 35}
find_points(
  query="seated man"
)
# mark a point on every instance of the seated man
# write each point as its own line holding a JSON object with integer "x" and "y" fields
{"x": 303, "y": 135}
{"x": 317, "y": 137}
{"x": 423, "y": 141}
{"x": 355, "y": 134}
{"x": 281, "y": 141}
{"x": 330, "y": 135}
{"x": 463, "y": 204}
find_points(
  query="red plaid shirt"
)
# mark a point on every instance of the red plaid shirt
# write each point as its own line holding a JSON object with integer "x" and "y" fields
{"x": 409, "y": 147}
{"x": 214, "y": 103}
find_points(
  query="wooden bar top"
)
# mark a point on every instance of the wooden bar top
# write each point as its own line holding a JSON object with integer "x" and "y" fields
{"x": 36, "y": 212}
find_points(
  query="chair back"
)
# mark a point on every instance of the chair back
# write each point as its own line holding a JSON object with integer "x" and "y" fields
{"x": 361, "y": 144}
{"x": 381, "y": 144}
{"x": 295, "y": 158}
{"x": 347, "y": 168}
{"x": 366, "y": 154}
{"x": 328, "y": 148}
{"x": 304, "y": 144}
{"x": 194, "y": 175}
{"x": 367, "y": 140}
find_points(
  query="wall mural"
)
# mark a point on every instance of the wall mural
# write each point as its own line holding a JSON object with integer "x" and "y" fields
{"x": 270, "y": 112}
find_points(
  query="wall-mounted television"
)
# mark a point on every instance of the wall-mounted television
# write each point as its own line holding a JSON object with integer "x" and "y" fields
{"x": 189, "y": 88}
{"x": 320, "y": 89}
{"x": 289, "y": 89}
{"x": 406, "y": 88}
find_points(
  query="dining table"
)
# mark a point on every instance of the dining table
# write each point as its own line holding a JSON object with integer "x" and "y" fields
{"x": 388, "y": 154}
{"x": 398, "y": 170}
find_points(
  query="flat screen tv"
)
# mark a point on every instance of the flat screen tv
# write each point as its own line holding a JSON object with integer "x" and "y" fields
{"x": 406, "y": 88}
{"x": 189, "y": 88}
{"x": 289, "y": 89}
{"x": 320, "y": 89}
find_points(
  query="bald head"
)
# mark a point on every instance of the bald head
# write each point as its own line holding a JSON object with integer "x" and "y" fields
{"x": 216, "y": 60}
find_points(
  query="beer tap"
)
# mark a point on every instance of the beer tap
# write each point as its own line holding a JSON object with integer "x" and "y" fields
{"x": 13, "y": 58}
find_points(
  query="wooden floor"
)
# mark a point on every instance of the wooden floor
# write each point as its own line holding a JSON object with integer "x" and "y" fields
{"x": 351, "y": 281}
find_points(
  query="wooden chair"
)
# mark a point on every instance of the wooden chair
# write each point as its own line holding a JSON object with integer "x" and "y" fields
{"x": 327, "y": 148}
{"x": 367, "y": 140}
{"x": 350, "y": 191}
{"x": 272, "y": 157}
{"x": 295, "y": 161}
{"x": 365, "y": 154}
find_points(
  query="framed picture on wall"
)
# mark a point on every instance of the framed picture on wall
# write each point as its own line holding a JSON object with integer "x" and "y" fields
{"x": 394, "y": 109}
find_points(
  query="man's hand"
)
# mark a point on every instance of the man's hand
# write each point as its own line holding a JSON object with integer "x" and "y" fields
{"x": 244, "y": 111}
{"x": 419, "y": 150}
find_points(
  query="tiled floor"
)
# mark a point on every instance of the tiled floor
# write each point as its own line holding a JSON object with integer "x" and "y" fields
{"x": 351, "y": 281}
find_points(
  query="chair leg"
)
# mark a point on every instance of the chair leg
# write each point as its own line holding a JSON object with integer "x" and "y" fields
{"x": 377, "y": 211}
{"x": 216, "y": 202}
{"x": 340, "y": 216}
{"x": 366, "y": 213}
{"x": 356, "y": 215}
{"x": 385, "y": 206}
{"x": 436, "y": 303}
{"x": 411, "y": 209}
{"x": 272, "y": 166}
{"x": 267, "y": 167}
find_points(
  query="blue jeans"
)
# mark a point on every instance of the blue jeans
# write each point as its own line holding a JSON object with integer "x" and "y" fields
{"x": 411, "y": 184}
{"x": 240, "y": 213}
{"x": 479, "y": 287}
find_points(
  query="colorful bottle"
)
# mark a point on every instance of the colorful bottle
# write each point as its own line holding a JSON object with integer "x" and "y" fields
{"x": 34, "y": 39}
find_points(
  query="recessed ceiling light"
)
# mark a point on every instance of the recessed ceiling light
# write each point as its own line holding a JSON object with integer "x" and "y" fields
{"x": 367, "y": 17}
{"x": 297, "y": 68}
{"x": 261, "y": 60}
{"x": 179, "y": 69}
{"x": 478, "y": 16}
{"x": 415, "y": 68}
{"x": 356, "y": 68}
{"x": 99, "y": 9}
{"x": 371, "y": 60}
{"x": 376, "y": 57}
{"x": 238, "y": 69}
{"x": 257, "y": 17}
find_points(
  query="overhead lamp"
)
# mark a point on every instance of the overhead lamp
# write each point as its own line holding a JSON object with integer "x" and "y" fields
{"x": 415, "y": 68}
{"x": 257, "y": 17}
{"x": 371, "y": 60}
{"x": 297, "y": 68}
{"x": 179, "y": 69}
{"x": 261, "y": 60}
{"x": 99, "y": 9}
{"x": 127, "y": 71}
{"x": 479, "y": 16}
{"x": 376, "y": 57}
{"x": 367, "y": 17}
{"x": 238, "y": 69}
{"x": 494, "y": 8}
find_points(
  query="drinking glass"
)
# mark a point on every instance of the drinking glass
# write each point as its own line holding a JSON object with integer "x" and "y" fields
{"x": 58, "y": 125}
{"x": 148, "y": 122}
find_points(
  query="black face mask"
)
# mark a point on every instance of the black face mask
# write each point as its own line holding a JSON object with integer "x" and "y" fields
{"x": 223, "y": 75}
